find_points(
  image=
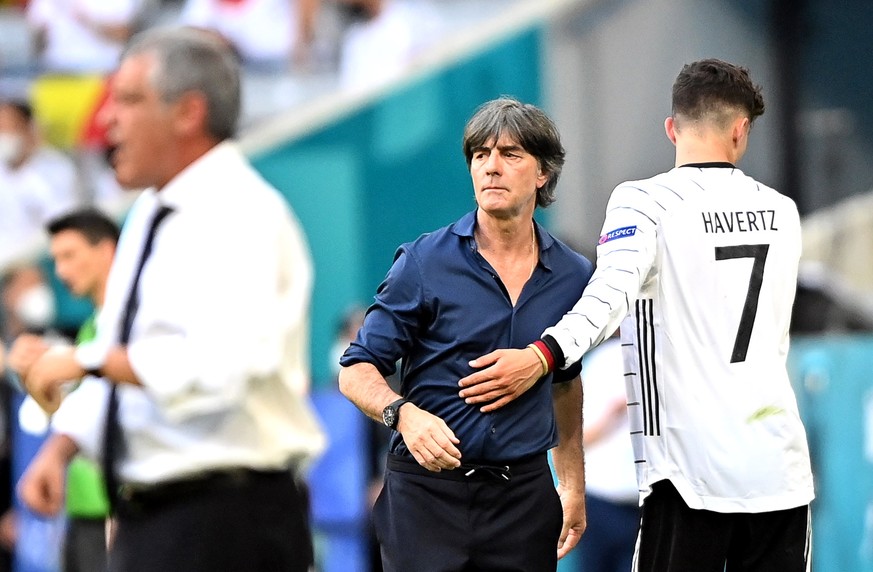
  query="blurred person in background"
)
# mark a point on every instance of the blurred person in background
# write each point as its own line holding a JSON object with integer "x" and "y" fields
{"x": 28, "y": 308}
{"x": 81, "y": 36}
{"x": 28, "y": 301}
{"x": 202, "y": 338}
{"x": 82, "y": 246}
{"x": 346, "y": 332}
{"x": 266, "y": 34}
{"x": 36, "y": 181}
{"x": 460, "y": 479}
{"x": 383, "y": 38}
{"x": 611, "y": 492}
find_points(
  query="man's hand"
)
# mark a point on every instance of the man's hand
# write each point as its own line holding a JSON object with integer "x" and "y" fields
{"x": 507, "y": 374}
{"x": 25, "y": 350}
{"x": 41, "y": 487}
{"x": 46, "y": 376}
{"x": 575, "y": 520}
{"x": 429, "y": 439}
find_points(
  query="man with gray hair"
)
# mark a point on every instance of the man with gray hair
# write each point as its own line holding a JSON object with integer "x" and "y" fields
{"x": 468, "y": 487}
{"x": 202, "y": 337}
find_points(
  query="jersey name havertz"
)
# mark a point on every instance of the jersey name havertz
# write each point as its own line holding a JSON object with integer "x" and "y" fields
{"x": 739, "y": 221}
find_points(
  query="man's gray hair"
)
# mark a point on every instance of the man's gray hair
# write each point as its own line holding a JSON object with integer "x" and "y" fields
{"x": 189, "y": 59}
{"x": 526, "y": 125}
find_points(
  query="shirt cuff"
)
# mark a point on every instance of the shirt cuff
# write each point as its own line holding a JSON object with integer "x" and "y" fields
{"x": 82, "y": 416}
{"x": 91, "y": 356}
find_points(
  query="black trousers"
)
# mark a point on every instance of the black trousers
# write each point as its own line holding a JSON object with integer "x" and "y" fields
{"x": 242, "y": 520}
{"x": 85, "y": 545}
{"x": 449, "y": 522}
{"x": 675, "y": 538}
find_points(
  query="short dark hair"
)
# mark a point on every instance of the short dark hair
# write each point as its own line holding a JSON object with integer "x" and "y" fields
{"x": 94, "y": 225}
{"x": 529, "y": 127}
{"x": 712, "y": 86}
{"x": 21, "y": 107}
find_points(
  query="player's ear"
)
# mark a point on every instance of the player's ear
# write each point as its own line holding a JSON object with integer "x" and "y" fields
{"x": 191, "y": 112}
{"x": 670, "y": 129}
{"x": 740, "y": 129}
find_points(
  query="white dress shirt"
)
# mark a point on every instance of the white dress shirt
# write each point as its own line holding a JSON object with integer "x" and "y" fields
{"x": 220, "y": 339}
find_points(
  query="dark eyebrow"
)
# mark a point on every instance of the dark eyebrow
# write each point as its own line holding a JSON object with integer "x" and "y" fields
{"x": 501, "y": 148}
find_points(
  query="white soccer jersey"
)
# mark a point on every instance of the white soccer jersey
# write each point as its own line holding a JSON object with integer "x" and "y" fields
{"x": 701, "y": 263}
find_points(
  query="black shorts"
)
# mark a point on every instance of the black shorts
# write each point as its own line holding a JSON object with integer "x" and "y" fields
{"x": 675, "y": 538}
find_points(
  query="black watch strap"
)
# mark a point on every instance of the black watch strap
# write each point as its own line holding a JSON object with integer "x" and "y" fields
{"x": 391, "y": 413}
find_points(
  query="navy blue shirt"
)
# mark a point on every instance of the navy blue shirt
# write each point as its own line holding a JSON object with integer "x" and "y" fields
{"x": 442, "y": 305}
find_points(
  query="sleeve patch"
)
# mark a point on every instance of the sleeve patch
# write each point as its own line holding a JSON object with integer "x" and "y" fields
{"x": 618, "y": 233}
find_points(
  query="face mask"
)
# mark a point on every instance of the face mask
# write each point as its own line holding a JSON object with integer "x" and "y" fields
{"x": 36, "y": 308}
{"x": 11, "y": 146}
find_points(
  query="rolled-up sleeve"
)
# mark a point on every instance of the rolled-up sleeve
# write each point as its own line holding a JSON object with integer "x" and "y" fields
{"x": 82, "y": 416}
{"x": 392, "y": 321}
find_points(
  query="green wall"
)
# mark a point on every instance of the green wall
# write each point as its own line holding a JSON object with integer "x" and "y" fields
{"x": 385, "y": 173}
{"x": 834, "y": 388}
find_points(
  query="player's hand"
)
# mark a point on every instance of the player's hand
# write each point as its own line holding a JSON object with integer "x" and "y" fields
{"x": 41, "y": 487}
{"x": 46, "y": 376}
{"x": 25, "y": 350}
{"x": 575, "y": 519}
{"x": 429, "y": 439}
{"x": 506, "y": 375}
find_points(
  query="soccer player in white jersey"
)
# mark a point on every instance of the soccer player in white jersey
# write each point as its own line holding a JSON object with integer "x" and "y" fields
{"x": 699, "y": 265}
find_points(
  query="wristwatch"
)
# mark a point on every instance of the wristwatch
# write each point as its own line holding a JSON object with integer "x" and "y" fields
{"x": 391, "y": 413}
{"x": 90, "y": 357}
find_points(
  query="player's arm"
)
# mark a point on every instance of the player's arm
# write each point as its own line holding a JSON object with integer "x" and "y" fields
{"x": 625, "y": 256}
{"x": 569, "y": 461}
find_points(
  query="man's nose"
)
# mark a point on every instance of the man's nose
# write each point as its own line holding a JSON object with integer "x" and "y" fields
{"x": 106, "y": 113}
{"x": 493, "y": 164}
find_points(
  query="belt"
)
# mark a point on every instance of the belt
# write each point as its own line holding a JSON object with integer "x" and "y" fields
{"x": 486, "y": 471}
{"x": 138, "y": 498}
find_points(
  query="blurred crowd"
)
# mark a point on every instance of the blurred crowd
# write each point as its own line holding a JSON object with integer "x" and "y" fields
{"x": 57, "y": 57}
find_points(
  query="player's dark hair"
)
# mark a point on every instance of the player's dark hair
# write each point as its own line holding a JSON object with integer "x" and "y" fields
{"x": 94, "y": 225}
{"x": 526, "y": 125}
{"x": 707, "y": 87}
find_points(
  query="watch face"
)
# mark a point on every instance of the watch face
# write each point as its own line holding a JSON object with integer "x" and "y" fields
{"x": 389, "y": 416}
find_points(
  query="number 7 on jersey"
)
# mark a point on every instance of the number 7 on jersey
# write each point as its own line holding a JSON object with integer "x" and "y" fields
{"x": 758, "y": 252}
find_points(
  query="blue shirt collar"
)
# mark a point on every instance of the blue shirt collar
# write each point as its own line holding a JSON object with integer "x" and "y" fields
{"x": 465, "y": 226}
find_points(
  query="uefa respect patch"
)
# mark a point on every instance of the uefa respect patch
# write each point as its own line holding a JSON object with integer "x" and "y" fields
{"x": 622, "y": 232}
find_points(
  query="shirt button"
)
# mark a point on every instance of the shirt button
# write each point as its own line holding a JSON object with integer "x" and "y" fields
{"x": 493, "y": 430}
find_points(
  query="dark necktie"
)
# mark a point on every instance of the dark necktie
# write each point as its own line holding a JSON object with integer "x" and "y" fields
{"x": 113, "y": 442}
